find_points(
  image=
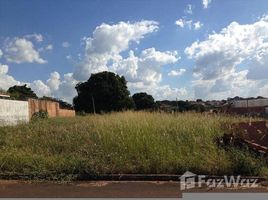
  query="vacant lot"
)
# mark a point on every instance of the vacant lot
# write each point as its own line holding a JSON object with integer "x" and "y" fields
{"x": 128, "y": 142}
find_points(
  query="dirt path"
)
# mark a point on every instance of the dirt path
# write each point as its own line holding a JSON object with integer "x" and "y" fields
{"x": 104, "y": 189}
{"x": 89, "y": 189}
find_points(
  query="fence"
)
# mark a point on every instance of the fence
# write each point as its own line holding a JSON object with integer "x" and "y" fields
{"x": 250, "y": 103}
{"x": 53, "y": 109}
{"x": 13, "y": 112}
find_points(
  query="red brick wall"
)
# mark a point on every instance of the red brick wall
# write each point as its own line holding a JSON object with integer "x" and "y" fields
{"x": 52, "y": 108}
{"x": 66, "y": 113}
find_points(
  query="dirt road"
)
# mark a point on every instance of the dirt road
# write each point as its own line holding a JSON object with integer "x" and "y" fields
{"x": 103, "y": 189}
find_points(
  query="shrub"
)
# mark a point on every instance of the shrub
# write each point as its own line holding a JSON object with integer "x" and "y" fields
{"x": 40, "y": 115}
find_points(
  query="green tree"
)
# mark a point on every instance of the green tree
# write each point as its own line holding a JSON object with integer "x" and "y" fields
{"x": 103, "y": 92}
{"x": 143, "y": 101}
{"x": 21, "y": 92}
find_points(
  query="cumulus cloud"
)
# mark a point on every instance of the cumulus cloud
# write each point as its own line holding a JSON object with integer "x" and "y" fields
{"x": 159, "y": 92}
{"x": 206, "y": 3}
{"x": 107, "y": 42}
{"x": 188, "y": 23}
{"x": 67, "y": 89}
{"x": 54, "y": 81}
{"x": 217, "y": 58}
{"x": 178, "y": 72}
{"x": 105, "y": 50}
{"x": 21, "y": 50}
{"x": 6, "y": 81}
{"x": 40, "y": 88}
{"x": 56, "y": 87}
{"x": 1, "y": 53}
{"x": 146, "y": 67}
{"x": 65, "y": 44}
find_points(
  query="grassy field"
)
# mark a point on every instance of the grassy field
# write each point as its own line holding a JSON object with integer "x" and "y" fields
{"x": 128, "y": 142}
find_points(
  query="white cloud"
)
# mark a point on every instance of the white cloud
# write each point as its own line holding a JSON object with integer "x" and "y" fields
{"x": 104, "y": 51}
{"x": 65, "y": 44}
{"x": 143, "y": 72}
{"x": 54, "y": 81}
{"x": 21, "y": 50}
{"x": 218, "y": 58}
{"x": 180, "y": 23}
{"x": 49, "y": 47}
{"x": 264, "y": 90}
{"x": 6, "y": 81}
{"x": 147, "y": 67}
{"x": 54, "y": 86}
{"x": 189, "y": 9}
{"x": 206, "y": 3}
{"x": 159, "y": 92}
{"x": 40, "y": 88}
{"x": 178, "y": 72}
{"x": 1, "y": 53}
{"x": 107, "y": 42}
{"x": 67, "y": 89}
{"x": 188, "y": 23}
{"x": 197, "y": 25}
{"x": 37, "y": 37}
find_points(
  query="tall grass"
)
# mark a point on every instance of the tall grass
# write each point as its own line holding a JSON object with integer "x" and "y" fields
{"x": 127, "y": 142}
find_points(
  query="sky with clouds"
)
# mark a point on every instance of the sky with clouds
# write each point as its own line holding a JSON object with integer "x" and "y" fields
{"x": 185, "y": 49}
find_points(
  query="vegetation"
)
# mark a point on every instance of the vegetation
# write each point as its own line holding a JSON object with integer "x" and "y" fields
{"x": 103, "y": 92}
{"x": 181, "y": 106}
{"x": 125, "y": 142}
{"x": 143, "y": 101}
{"x": 40, "y": 115}
{"x": 21, "y": 92}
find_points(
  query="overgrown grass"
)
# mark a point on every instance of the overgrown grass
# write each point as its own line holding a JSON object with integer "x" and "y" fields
{"x": 128, "y": 142}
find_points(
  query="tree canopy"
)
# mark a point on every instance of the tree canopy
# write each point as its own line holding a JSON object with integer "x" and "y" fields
{"x": 21, "y": 92}
{"x": 143, "y": 101}
{"x": 103, "y": 92}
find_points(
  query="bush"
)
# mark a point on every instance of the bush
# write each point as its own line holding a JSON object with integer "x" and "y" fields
{"x": 246, "y": 162}
{"x": 40, "y": 115}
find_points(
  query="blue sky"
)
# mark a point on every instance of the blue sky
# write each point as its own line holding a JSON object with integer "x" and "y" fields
{"x": 40, "y": 28}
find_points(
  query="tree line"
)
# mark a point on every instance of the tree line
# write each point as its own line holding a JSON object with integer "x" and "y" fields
{"x": 102, "y": 92}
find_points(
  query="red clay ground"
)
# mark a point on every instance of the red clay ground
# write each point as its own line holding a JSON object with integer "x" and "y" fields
{"x": 254, "y": 135}
{"x": 104, "y": 189}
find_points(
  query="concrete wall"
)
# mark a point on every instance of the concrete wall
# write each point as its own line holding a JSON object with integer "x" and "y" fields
{"x": 250, "y": 103}
{"x": 13, "y": 112}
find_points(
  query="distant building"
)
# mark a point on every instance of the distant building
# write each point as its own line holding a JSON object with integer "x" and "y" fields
{"x": 249, "y": 106}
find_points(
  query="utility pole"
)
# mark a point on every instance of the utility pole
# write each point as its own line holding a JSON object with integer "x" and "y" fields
{"x": 93, "y": 105}
{"x": 177, "y": 104}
